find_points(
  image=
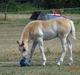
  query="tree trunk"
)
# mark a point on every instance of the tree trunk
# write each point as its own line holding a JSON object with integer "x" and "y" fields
{"x": 5, "y": 16}
{"x": 5, "y": 12}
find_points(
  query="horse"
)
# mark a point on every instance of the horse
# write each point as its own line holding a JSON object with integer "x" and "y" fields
{"x": 42, "y": 30}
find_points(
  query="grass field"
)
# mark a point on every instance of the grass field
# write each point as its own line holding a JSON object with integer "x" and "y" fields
{"x": 10, "y": 31}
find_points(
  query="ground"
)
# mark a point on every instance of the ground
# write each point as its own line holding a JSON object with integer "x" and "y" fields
{"x": 10, "y": 31}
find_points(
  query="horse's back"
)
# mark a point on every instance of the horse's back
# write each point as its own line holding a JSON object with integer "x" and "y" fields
{"x": 49, "y": 27}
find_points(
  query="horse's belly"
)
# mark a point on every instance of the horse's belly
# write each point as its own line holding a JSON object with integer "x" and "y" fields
{"x": 47, "y": 35}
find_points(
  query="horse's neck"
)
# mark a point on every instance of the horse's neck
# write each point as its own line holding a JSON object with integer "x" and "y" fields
{"x": 24, "y": 36}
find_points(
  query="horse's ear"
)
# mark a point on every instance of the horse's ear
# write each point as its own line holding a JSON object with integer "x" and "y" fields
{"x": 17, "y": 42}
{"x": 22, "y": 43}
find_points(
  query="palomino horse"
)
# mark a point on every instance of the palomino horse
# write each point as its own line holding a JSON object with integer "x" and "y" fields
{"x": 40, "y": 30}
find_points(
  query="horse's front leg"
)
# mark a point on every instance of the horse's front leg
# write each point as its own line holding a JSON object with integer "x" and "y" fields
{"x": 40, "y": 41}
{"x": 32, "y": 49}
{"x": 64, "y": 48}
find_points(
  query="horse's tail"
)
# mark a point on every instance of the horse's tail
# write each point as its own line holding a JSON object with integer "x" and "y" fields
{"x": 73, "y": 30}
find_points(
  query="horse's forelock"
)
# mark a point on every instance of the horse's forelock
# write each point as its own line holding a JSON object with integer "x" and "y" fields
{"x": 20, "y": 43}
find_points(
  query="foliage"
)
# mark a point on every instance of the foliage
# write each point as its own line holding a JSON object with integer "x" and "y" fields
{"x": 16, "y": 5}
{"x": 57, "y": 3}
{"x": 71, "y": 10}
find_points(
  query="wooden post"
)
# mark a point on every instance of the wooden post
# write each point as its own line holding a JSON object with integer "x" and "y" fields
{"x": 5, "y": 12}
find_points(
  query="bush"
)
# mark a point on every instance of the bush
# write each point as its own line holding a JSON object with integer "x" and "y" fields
{"x": 71, "y": 10}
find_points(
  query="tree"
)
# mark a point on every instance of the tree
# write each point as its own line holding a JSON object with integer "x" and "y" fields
{"x": 5, "y": 6}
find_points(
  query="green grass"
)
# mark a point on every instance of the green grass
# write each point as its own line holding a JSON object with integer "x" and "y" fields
{"x": 77, "y": 24}
{"x": 37, "y": 69}
{"x": 10, "y": 31}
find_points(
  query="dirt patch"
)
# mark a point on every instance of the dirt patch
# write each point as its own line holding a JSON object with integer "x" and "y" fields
{"x": 73, "y": 68}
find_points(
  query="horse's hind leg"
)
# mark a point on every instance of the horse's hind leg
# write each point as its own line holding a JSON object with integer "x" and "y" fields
{"x": 64, "y": 48}
{"x": 69, "y": 45}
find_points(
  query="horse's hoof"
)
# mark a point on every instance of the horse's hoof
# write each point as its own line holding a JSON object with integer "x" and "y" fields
{"x": 58, "y": 63}
{"x": 43, "y": 64}
{"x": 69, "y": 64}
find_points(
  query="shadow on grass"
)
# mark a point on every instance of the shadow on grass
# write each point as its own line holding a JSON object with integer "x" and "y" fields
{"x": 34, "y": 64}
{"x": 9, "y": 64}
{"x": 49, "y": 64}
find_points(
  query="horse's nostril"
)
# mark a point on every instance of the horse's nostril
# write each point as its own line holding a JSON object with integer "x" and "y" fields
{"x": 24, "y": 50}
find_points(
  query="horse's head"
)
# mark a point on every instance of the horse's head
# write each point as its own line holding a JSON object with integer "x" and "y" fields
{"x": 23, "y": 49}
